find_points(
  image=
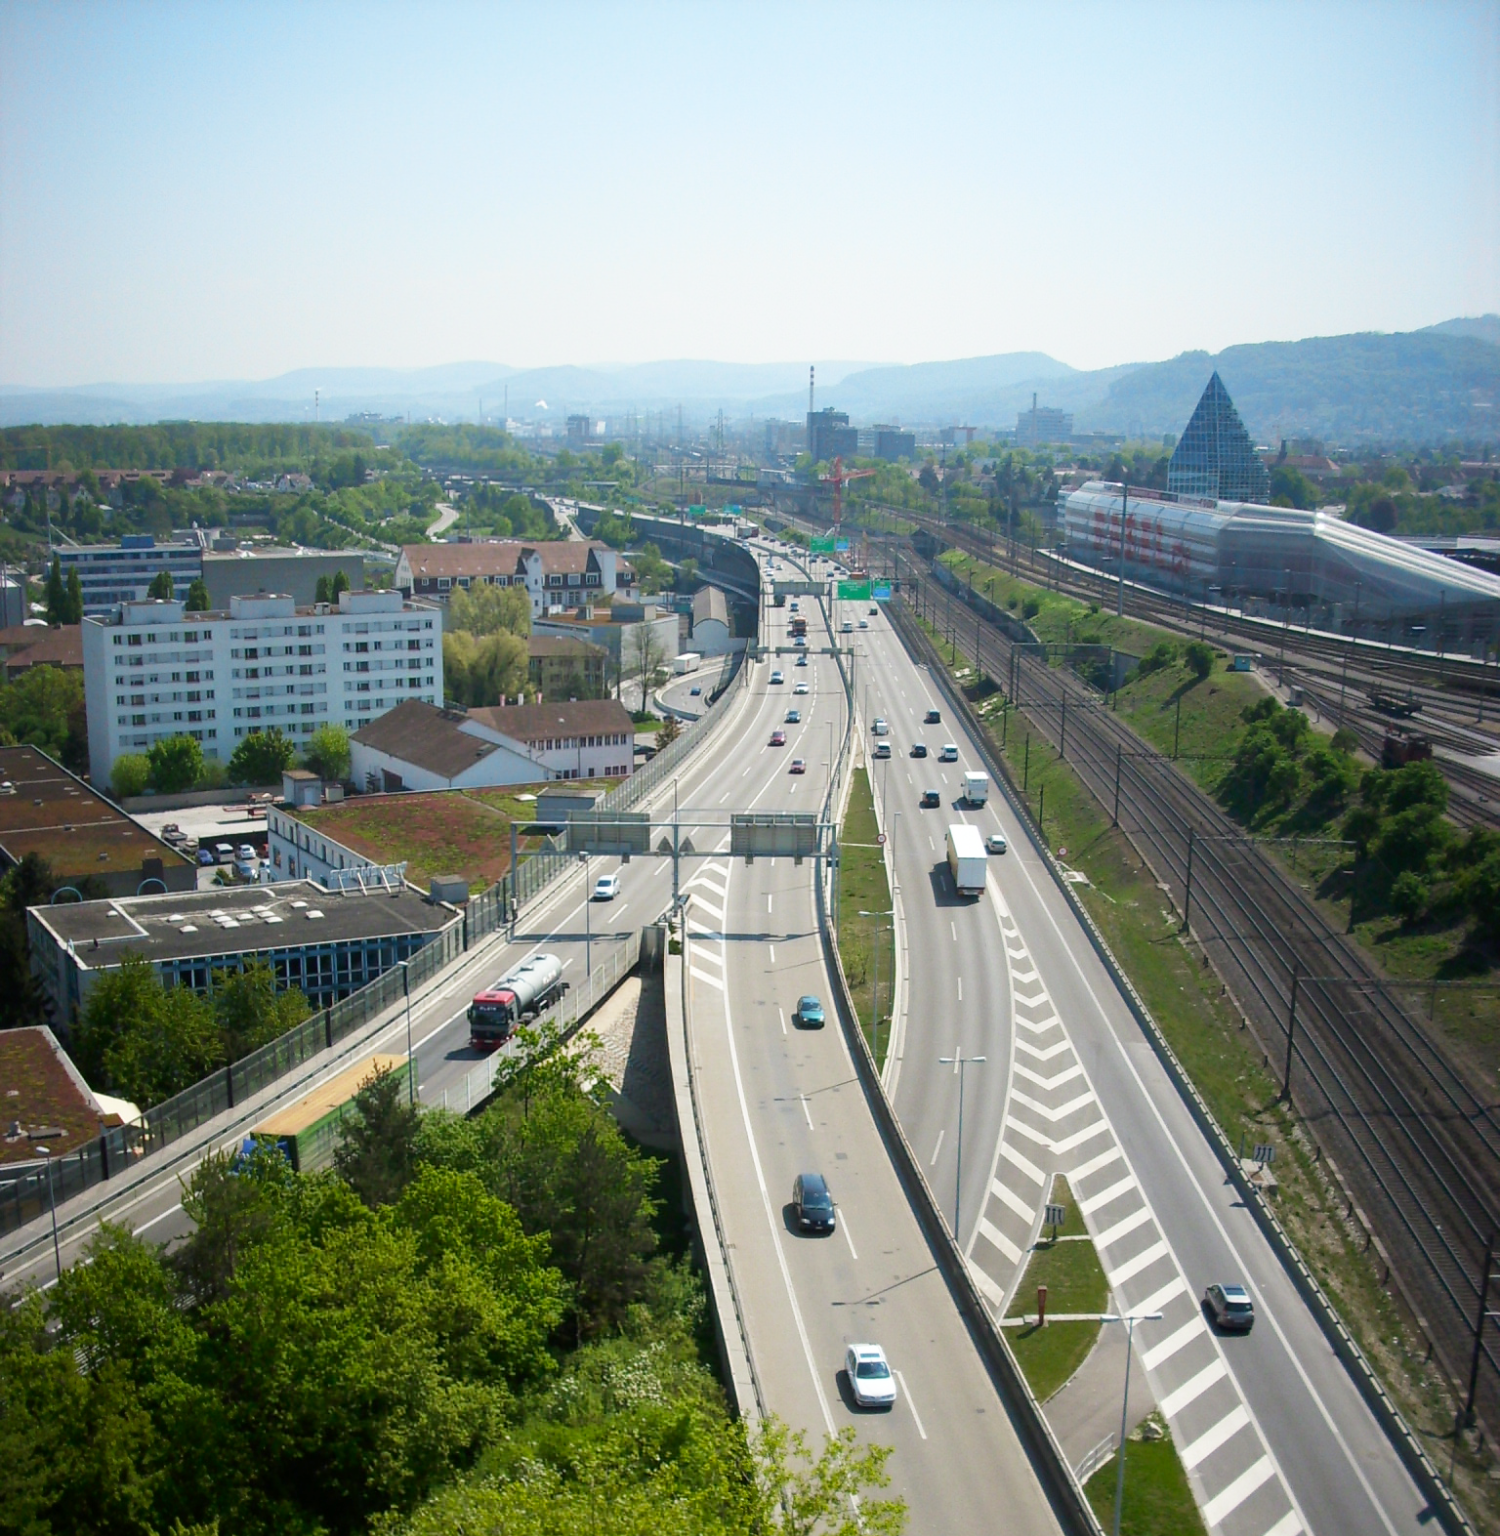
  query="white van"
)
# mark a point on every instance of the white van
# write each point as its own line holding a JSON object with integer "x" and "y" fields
{"x": 881, "y": 728}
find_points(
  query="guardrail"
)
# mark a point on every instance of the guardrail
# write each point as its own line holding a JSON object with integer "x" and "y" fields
{"x": 1424, "y": 1472}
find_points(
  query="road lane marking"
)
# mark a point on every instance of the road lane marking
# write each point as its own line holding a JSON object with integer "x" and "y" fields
{"x": 937, "y": 1147}
{"x": 170, "y": 1211}
{"x": 703, "y": 976}
{"x": 772, "y": 948}
{"x": 844, "y": 1227}
{"x": 1224, "y": 1504}
{"x": 782, "y": 1012}
{"x": 1211, "y": 1439}
{"x": 1123, "y": 1227}
{"x": 960, "y": 981}
{"x": 806, "y": 1112}
{"x": 1103, "y": 1198}
{"x": 906, "y": 1393}
{"x": 1174, "y": 1288}
{"x": 1030, "y": 1169}
{"x": 1006, "y": 1196}
{"x": 1194, "y": 1388}
{"x": 1093, "y": 1165}
{"x": 953, "y": 929}
{"x": 987, "y": 1229}
{"x": 1132, "y": 1267}
{"x": 768, "y": 894}
{"x": 1180, "y": 1339}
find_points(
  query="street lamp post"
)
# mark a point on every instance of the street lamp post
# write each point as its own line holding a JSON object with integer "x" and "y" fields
{"x": 958, "y": 1062}
{"x": 588, "y": 918}
{"x": 52, "y": 1206}
{"x": 1130, "y": 1319}
{"x": 411, "y": 1070}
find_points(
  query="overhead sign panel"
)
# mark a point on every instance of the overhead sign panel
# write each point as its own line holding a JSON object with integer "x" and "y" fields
{"x": 773, "y": 834}
{"x": 854, "y": 591}
{"x": 822, "y": 546}
{"x": 881, "y": 592}
{"x": 612, "y": 833}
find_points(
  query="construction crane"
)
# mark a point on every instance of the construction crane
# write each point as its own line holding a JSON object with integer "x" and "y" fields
{"x": 838, "y": 480}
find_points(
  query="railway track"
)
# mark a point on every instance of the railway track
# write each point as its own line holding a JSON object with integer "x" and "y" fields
{"x": 1416, "y": 1144}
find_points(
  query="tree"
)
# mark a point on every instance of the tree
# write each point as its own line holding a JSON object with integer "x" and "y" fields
{"x": 176, "y": 763}
{"x": 376, "y": 1150}
{"x": 250, "y": 1011}
{"x": 328, "y": 752}
{"x": 1200, "y": 659}
{"x": 478, "y": 672}
{"x": 323, "y": 593}
{"x": 73, "y": 603}
{"x": 161, "y": 586}
{"x": 130, "y": 775}
{"x": 671, "y": 729}
{"x": 45, "y": 707}
{"x": 642, "y": 656}
{"x": 57, "y": 597}
{"x": 487, "y": 608}
{"x": 22, "y": 998}
{"x": 261, "y": 757}
{"x": 1409, "y": 896}
{"x": 652, "y": 573}
{"x": 340, "y": 584}
{"x": 198, "y": 599}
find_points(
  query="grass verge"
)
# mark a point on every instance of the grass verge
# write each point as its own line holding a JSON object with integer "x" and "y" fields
{"x": 1158, "y": 1500}
{"x": 1220, "y": 1055}
{"x": 863, "y": 888}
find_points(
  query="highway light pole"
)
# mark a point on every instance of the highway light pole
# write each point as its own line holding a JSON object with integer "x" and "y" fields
{"x": 1344, "y": 680}
{"x": 1130, "y": 1319}
{"x": 588, "y": 918}
{"x": 958, "y": 1062}
{"x": 52, "y": 1206}
{"x": 875, "y": 987}
{"x": 411, "y": 1070}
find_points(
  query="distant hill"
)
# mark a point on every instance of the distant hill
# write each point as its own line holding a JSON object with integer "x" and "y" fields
{"x": 1480, "y": 327}
{"x": 1415, "y": 387}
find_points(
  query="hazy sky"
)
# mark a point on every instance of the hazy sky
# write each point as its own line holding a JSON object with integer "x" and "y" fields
{"x": 220, "y": 190}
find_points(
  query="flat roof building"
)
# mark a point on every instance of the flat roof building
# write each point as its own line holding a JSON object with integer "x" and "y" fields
{"x": 560, "y": 667}
{"x": 829, "y": 435}
{"x": 48, "y": 1103}
{"x": 152, "y": 670}
{"x": 110, "y": 574}
{"x": 52, "y": 813}
{"x": 327, "y": 943}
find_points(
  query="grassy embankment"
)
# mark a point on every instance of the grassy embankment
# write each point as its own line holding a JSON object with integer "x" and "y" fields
{"x": 1158, "y": 1500}
{"x": 1441, "y": 946}
{"x": 1229, "y": 1070}
{"x": 1066, "y": 1263}
{"x": 863, "y": 888}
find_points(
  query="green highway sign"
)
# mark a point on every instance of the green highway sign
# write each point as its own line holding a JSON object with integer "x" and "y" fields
{"x": 854, "y": 591}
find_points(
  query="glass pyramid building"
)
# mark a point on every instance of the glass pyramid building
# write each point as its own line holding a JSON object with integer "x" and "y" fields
{"x": 1215, "y": 457}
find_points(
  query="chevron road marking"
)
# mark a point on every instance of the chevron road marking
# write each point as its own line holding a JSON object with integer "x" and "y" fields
{"x": 1159, "y": 1353}
{"x": 1192, "y": 1389}
{"x": 1103, "y": 1198}
{"x": 1225, "y": 1503}
{"x": 1013, "y": 1200}
{"x": 1211, "y": 1439}
{"x": 988, "y": 1230}
{"x": 1030, "y": 1169}
{"x": 1132, "y": 1267}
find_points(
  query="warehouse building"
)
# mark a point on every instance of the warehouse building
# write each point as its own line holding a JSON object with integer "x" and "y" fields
{"x": 327, "y": 943}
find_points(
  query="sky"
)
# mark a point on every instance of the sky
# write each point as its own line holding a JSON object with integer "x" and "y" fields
{"x": 218, "y": 191}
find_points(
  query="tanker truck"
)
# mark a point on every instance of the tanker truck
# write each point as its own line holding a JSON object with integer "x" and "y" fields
{"x": 519, "y": 995}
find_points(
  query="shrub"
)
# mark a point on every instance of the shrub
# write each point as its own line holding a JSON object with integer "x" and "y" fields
{"x": 1159, "y": 656}
{"x": 1409, "y": 896}
{"x": 1031, "y": 607}
{"x": 1200, "y": 659}
{"x": 130, "y": 774}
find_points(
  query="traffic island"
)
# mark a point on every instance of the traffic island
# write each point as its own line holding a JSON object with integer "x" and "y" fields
{"x": 1158, "y": 1500}
{"x": 865, "y": 944}
{"x": 1063, "y": 1261}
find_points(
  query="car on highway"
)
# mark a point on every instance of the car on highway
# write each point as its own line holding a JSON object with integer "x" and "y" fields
{"x": 882, "y": 749}
{"x": 794, "y": 605}
{"x": 802, "y": 661}
{"x": 934, "y": 717}
{"x": 918, "y": 749}
{"x": 995, "y": 843}
{"x": 809, "y": 1014}
{"x": 607, "y": 887}
{"x": 870, "y": 1379}
{"x": 1230, "y": 1307}
{"x": 812, "y": 1204}
{"x": 864, "y": 623}
{"x": 798, "y": 766}
{"x": 880, "y": 727}
{"x": 778, "y": 738}
{"x": 694, "y": 691}
{"x": 931, "y": 799}
{"x": 949, "y": 754}
{"x": 873, "y": 610}
{"x": 794, "y": 717}
{"x": 800, "y": 688}
{"x": 776, "y": 676}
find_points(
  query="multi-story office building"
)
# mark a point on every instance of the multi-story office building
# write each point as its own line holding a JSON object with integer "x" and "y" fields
{"x": 1216, "y": 458}
{"x": 829, "y": 435}
{"x": 892, "y": 444}
{"x": 109, "y": 574}
{"x": 1042, "y": 424}
{"x": 152, "y": 670}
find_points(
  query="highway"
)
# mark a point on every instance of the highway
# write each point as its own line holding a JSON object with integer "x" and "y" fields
{"x": 777, "y": 1101}
{"x": 1275, "y": 1432}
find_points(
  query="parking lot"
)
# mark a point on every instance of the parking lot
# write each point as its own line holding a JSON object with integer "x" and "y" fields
{"x": 208, "y": 825}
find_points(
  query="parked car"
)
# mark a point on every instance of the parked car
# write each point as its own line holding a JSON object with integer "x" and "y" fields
{"x": 776, "y": 676}
{"x": 246, "y": 851}
{"x": 809, "y": 1014}
{"x": 870, "y": 1378}
{"x": 919, "y": 749}
{"x": 931, "y": 799}
{"x": 1230, "y": 1307}
{"x": 798, "y": 766}
{"x": 224, "y": 853}
{"x": 995, "y": 842}
{"x": 206, "y": 856}
{"x": 949, "y": 754}
{"x": 934, "y": 717}
{"x": 607, "y": 887}
{"x": 812, "y": 1204}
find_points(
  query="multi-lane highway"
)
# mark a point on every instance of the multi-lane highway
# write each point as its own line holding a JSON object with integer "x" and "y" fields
{"x": 1272, "y": 1427}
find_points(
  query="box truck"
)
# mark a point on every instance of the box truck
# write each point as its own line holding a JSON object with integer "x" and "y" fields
{"x": 686, "y": 661}
{"x": 966, "y": 860}
{"x": 976, "y": 788}
{"x": 308, "y": 1131}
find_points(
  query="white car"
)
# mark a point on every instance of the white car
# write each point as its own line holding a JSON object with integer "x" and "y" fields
{"x": 776, "y": 676}
{"x": 995, "y": 842}
{"x": 949, "y": 754}
{"x": 870, "y": 1378}
{"x": 606, "y": 887}
{"x": 800, "y": 688}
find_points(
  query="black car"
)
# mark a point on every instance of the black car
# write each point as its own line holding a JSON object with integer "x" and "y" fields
{"x": 1230, "y": 1307}
{"x": 812, "y": 1204}
{"x": 931, "y": 799}
{"x": 934, "y": 717}
{"x": 919, "y": 749}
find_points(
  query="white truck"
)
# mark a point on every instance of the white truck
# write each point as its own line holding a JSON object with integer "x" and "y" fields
{"x": 686, "y": 661}
{"x": 966, "y": 859}
{"x": 976, "y": 788}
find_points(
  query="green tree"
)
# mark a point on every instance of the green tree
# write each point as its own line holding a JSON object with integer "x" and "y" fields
{"x": 323, "y": 593}
{"x": 376, "y": 1153}
{"x": 1199, "y": 658}
{"x": 340, "y": 584}
{"x": 176, "y": 763}
{"x": 480, "y": 671}
{"x": 1409, "y": 896}
{"x": 261, "y": 757}
{"x": 487, "y": 608}
{"x": 249, "y": 1011}
{"x": 328, "y": 752}
{"x": 73, "y": 602}
{"x": 198, "y": 599}
{"x": 161, "y": 585}
{"x": 45, "y": 707}
{"x": 57, "y": 597}
{"x": 22, "y": 998}
{"x": 130, "y": 775}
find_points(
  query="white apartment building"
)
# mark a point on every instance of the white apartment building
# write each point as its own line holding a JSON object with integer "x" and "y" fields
{"x": 151, "y": 671}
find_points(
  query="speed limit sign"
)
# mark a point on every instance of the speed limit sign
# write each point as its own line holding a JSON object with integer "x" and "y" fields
{"x": 880, "y": 837}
